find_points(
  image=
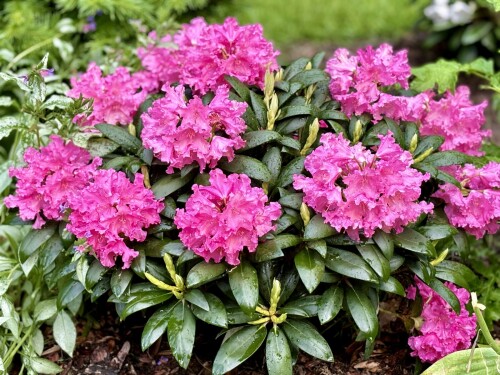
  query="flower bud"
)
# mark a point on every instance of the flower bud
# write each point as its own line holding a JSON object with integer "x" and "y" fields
{"x": 311, "y": 138}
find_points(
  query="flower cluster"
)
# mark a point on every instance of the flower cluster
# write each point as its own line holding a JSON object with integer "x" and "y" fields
{"x": 442, "y": 330}
{"x": 200, "y": 55}
{"x": 220, "y": 220}
{"x": 459, "y": 121}
{"x": 116, "y": 97}
{"x": 355, "y": 189}
{"x": 181, "y": 132}
{"x": 475, "y": 207}
{"x": 359, "y": 83}
{"x": 52, "y": 175}
{"x": 111, "y": 209}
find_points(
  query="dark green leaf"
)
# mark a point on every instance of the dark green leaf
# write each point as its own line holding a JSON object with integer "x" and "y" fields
{"x": 295, "y": 67}
{"x": 259, "y": 137}
{"x": 289, "y": 281}
{"x": 259, "y": 109}
{"x": 331, "y": 114}
{"x": 65, "y": 332}
{"x": 284, "y": 222}
{"x": 245, "y": 286}
{"x": 203, "y": 273}
{"x": 197, "y": 298}
{"x": 278, "y": 356}
{"x": 311, "y": 267}
{"x": 238, "y": 348}
{"x": 69, "y": 292}
{"x": 216, "y": 314}
{"x": 445, "y": 158}
{"x": 101, "y": 146}
{"x": 395, "y": 128}
{"x": 376, "y": 260}
{"x": 476, "y": 31}
{"x": 446, "y": 293}
{"x": 437, "y": 231}
{"x": 303, "y": 335}
{"x": 425, "y": 143}
{"x": 145, "y": 300}
{"x": 121, "y": 136}
{"x": 362, "y": 311}
{"x": 285, "y": 241}
{"x": 330, "y": 304}
{"x": 295, "y": 110}
{"x": 292, "y": 200}
{"x": 319, "y": 246}
{"x": 240, "y": 88}
{"x": 317, "y": 229}
{"x": 456, "y": 272}
{"x": 349, "y": 264}
{"x": 411, "y": 240}
{"x": 272, "y": 160}
{"x": 384, "y": 243}
{"x": 268, "y": 250}
{"x": 181, "y": 329}
{"x": 310, "y": 77}
{"x": 236, "y": 316}
{"x": 120, "y": 280}
{"x": 34, "y": 240}
{"x": 392, "y": 285}
{"x": 156, "y": 326}
{"x": 168, "y": 184}
{"x": 139, "y": 264}
{"x": 303, "y": 306}
{"x": 252, "y": 167}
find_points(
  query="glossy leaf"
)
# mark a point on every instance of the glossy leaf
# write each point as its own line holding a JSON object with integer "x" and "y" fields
{"x": 145, "y": 300}
{"x": 311, "y": 267}
{"x": 278, "y": 355}
{"x": 197, "y": 298}
{"x": 120, "y": 280}
{"x": 121, "y": 136}
{"x": 296, "y": 166}
{"x": 272, "y": 160}
{"x": 376, "y": 260}
{"x": 392, "y": 285}
{"x": 252, "y": 167}
{"x": 216, "y": 314}
{"x": 330, "y": 304}
{"x": 267, "y": 251}
{"x": 245, "y": 286}
{"x": 101, "y": 146}
{"x": 238, "y": 348}
{"x": 65, "y": 332}
{"x": 259, "y": 137}
{"x": 202, "y": 273}
{"x": 69, "y": 292}
{"x": 411, "y": 240}
{"x": 169, "y": 184}
{"x": 317, "y": 229}
{"x": 156, "y": 326}
{"x": 349, "y": 264}
{"x": 34, "y": 240}
{"x": 303, "y": 335}
{"x": 306, "y": 306}
{"x": 384, "y": 243}
{"x": 455, "y": 272}
{"x": 181, "y": 329}
{"x": 476, "y": 361}
{"x": 446, "y": 293}
{"x": 445, "y": 158}
{"x": 362, "y": 311}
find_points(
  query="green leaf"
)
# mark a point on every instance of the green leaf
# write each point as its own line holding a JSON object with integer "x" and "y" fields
{"x": 475, "y": 31}
{"x": 45, "y": 310}
{"x": 384, "y": 243}
{"x": 437, "y": 231}
{"x": 311, "y": 267}
{"x": 319, "y": 246}
{"x": 216, "y": 314}
{"x": 349, "y": 264}
{"x": 330, "y": 304}
{"x": 456, "y": 272}
{"x": 240, "y": 88}
{"x": 259, "y": 109}
{"x": 285, "y": 241}
{"x": 295, "y": 110}
{"x": 202, "y": 273}
{"x": 34, "y": 240}
{"x": 121, "y": 136}
{"x": 362, "y": 311}
{"x": 446, "y": 293}
{"x": 425, "y": 143}
{"x": 306, "y": 306}
{"x": 310, "y": 77}
{"x": 181, "y": 329}
{"x": 495, "y": 4}
{"x": 238, "y": 348}
{"x": 65, "y": 332}
{"x": 303, "y": 335}
{"x": 259, "y": 137}
{"x": 476, "y": 361}
{"x": 295, "y": 67}
{"x": 376, "y": 260}
{"x": 392, "y": 285}
{"x": 94, "y": 274}
{"x": 44, "y": 366}
{"x": 120, "y": 280}
{"x": 69, "y": 292}
{"x": 168, "y": 184}
{"x": 331, "y": 114}
{"x": 156, "y": 326}
{"x": 7, "y": 124}
{"x": 268, "y": 250}
{"x": 293, "y": 200}
{"x": 196, "y": 297}
{"x": 442, "y": 73}
{"x": 252, "y": 167}
{"x": 317, "y": 229}
{"x": 272, "y": 160}
{"x": 278, "y": 355}
{"x": 445, "y": 158}
{"x": 411, "y": 240}
{"x": 145, "y": 300}
{"x": 101, "y": 146}
{"x": 245, "y": 286}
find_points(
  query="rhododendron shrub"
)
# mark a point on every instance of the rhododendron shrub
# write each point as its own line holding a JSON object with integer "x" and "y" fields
{"x": 442, "y": 330}
{"x": 219, "y": 188}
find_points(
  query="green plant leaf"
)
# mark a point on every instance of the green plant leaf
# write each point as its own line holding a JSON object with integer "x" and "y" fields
{"x": 442, "y": 73}
{"x": 272, "y": 160}
{"x": 331, "y": 114}
{"x": 294, "y": 110}
{"x": 69, "y": 292}
{"x": 384, "y": 243}
{"x": 245, "y": 286}
{"x": 94, "y": 274}
{"x": 310, "y": 77}
{"x": 317, "y": 229}
{"x": 445, "y": 158}
{"x": 437, "y": 231}
{"x": 101, "y": 146}
{"x": 268, "y": 250}
{"x": 311, "y": 267}
{"x": 259, "y": 137}
{"x": 197, "y": 298}
{"x": 168, "y": 184}
{"x": 120, "y": 280}
{"x": 303, "y": 335}
{"x": 475, "y": 31}
{"x": 330, "y": 304}
{"x": 252, "y": 167}
{"x": 65, "y": 332}
{"x": 216, "y": 314}
{"x": 446, "y": 293}
{"x": 349, "y": 264}
{"x": 456, "y": 272}
{"x": 477, "y": 361}
{"x": 34, "y": 240}
{"x": 7, "y": 124}
{"x": 45, "y": 310}
{"x": 296, "y": 166}
{"x": 362, "y": 311}
{"x": 121, "y": 136}
{"x": 376, "y": 260}
{"x": 306, "y": 306}
{"x": 238, "y": 348}
{"x": 392, "y": 285}
{"x": 202, "y": 273}
{"x": 156, "y": 325}
{"x": 293, "y": 200}
{"x": 181, "y": 329}
{"x": 145, "y": 300}
{"x": 259, "y": 109}
{"x": 278, "y": 355}
{"x": 295, "y": 67}
{"x": 240, "y": 88}
{"x": 411, "y": 240}
{"x": 44, "y": 366}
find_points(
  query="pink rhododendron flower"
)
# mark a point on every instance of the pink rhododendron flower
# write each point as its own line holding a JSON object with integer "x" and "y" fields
{"x": 52, "y": 175}
{"x": 116, "y": 96}
{"x": 220, "y": 220}
{"x": 199, "y": 55}
{"x": 355, "y": 189}
{"x": 110, "y": 210}
{"x": 442, "y": 331}
{"x": 459, "y": 121}
{"x": 475, "y": 207}
{"x": 181, "y": 132}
